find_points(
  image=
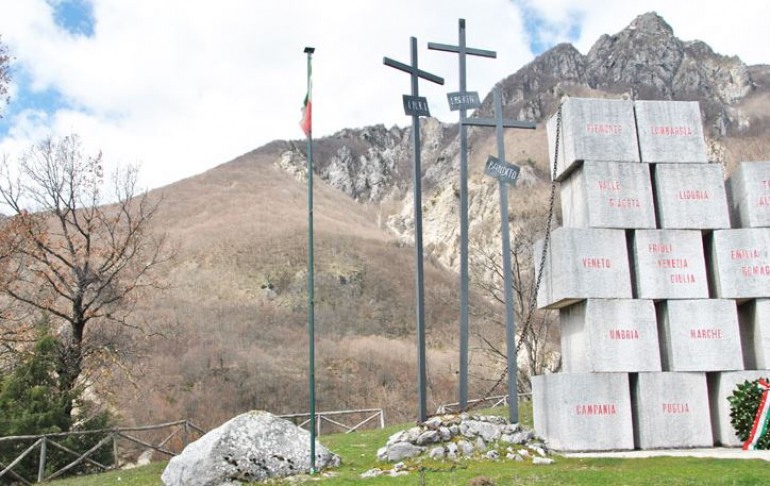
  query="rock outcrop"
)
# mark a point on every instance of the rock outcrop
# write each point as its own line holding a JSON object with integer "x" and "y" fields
{"x": 253, "y": 446}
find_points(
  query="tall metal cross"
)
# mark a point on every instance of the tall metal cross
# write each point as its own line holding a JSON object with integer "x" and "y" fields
{"x": 510, "y": 325}
{"x": 463, "y": 101}
{"x": 417, "y": 106}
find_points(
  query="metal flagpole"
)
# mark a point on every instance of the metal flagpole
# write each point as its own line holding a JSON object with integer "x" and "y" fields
{"x": 311, "y": 277}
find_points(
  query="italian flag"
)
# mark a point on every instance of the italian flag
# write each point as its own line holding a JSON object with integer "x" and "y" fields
{"x": 307, "y": 107}
{"x": 761, "y": 420}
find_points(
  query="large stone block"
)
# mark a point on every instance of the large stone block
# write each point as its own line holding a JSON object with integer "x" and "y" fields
{"x": 721, "y": 386}
{"x": 583, "y": 264}
{"x": 609, "y": 335}
{"x": 740, "y": 263}
{"x": 669, "y": 264}
{"x": 671, "y": 410}
{"x": 750, "y": 195}
{"x": 583, "y": 411}
{"x": 754, "y": 322}
{"x": 690, "y": 196}
{"x": 699, "y": 335}
{"x": 593, "y": 129}
{"x": 608, "y": 195}
{"x": 670, "y": 132}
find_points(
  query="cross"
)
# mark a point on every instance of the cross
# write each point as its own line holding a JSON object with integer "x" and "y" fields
{"x": 415, "y": 74}
{"x": 463, "y": 51}
{"x": 510, "y": 325}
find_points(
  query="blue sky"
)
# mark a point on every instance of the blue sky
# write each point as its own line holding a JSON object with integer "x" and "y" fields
{"x": 180, "y": 86}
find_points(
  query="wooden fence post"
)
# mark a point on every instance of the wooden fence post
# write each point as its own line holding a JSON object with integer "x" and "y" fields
{"x": 116, "y": 460}
{"x": 41, "y": 465}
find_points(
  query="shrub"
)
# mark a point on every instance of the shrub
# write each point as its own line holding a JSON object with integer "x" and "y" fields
{"x": 744, "y": 403}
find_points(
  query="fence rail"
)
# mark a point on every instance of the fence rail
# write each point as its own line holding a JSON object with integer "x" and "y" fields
{"x": 182, "y": 429}
{"x": 490, "y": 402}
{"x": 370, "y": 416}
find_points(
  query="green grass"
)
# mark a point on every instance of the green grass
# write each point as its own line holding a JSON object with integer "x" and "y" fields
{"x": 358, "y": 450}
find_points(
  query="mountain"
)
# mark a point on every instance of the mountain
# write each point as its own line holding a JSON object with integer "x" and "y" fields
{"x": 229, "y": 332}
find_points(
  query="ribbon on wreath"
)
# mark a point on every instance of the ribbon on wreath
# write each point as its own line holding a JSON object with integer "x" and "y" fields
{"x": 761, "y": 420}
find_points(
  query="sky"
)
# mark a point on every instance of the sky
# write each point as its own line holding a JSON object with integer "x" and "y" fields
{"x": 178, "y": 87}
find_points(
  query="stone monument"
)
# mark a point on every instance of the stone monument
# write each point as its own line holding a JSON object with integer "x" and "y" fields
{"x": 697, "y": 319}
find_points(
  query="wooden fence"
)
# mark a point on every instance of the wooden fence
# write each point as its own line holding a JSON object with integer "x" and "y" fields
{"x": 365, "y": 416}
{"x": 181, "y": 433}
{"x": 488, "y": 402}
{"x": 170, "y": 444}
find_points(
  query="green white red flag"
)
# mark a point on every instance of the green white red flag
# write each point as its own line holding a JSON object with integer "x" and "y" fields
{"x": 762, "y": 419}
{"x": 307, "y": 107}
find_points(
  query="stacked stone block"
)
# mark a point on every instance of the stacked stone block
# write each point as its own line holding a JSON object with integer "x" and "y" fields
{"x": 698, "y": 310}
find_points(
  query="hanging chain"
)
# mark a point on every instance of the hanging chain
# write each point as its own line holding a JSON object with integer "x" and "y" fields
{"x": 547, "y": 238}
{"x": 533, "y": 300}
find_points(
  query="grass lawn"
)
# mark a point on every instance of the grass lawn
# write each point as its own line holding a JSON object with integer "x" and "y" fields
{"x": 358, "y": 450}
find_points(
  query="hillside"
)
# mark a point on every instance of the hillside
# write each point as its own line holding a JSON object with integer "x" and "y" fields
{"x": 229, "y": 332}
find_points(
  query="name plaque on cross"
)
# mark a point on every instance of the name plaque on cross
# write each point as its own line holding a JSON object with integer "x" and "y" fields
{"x": 502, "y": 171}
{"x": 416, "y": 106}
{"x": 459, "y": 100}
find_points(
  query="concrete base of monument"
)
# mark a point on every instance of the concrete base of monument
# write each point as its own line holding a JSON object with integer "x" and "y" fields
{"x": 721, "y": 386}
{"x": 690, "y": 196}
{"x": 708, "y": 452}
{"x": 583, "y": 411}
{"x": 699, "y": 335}
{"x": 609, "y": 335}
{"x": 740, "y": 263}
{"x": 754, "y": 321}
{"x": 583, "y": 263}
{"x": 669, "y": 264}
{"x": 749, "y": 188}
{"x": 670, "y": 410}
{"x": 608, "y": 195}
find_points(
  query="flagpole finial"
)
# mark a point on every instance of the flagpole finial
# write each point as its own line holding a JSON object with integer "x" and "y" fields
{"x": 309, "y": 50}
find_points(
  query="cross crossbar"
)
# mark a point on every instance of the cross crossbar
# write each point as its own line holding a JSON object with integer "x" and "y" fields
{"x": 491, "y": 122}
{"x": 411, "y": 70}
{"x": 461, "y": 50}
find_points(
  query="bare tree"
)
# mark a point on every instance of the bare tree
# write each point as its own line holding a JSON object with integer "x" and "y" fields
{"x": 80, "y": 256}
{"x": 537, "y": 332}
{"x": 5, "y": 79}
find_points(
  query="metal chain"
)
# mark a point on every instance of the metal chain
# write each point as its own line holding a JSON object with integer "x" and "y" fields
{"x": 546, "y": 240}
{"x": 533, "y": 301}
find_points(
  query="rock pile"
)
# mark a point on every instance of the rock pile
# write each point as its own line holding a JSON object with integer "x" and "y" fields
{"x": 455, "y": 436}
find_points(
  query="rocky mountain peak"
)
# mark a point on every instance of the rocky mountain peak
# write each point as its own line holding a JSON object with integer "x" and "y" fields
{"x": 645, "y": 60}
{"x": 650, "y": 23}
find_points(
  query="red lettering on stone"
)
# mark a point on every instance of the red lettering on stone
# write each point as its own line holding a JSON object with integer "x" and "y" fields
{"x": 693, "y": 195}
{"x": 676, "y": 131}
{"x": 756, "y": 271}
{"x": 597, "y": 263}
{"x": 676, "y": 408}
{"x": 624, "y": 203}
{"x": 660, "y": 248}
{"x": 764, "y": 201}
{"x": 596, "y": 409}
{"x": 604, "y": 128}
{"x": 705, "y": 333}
{"x": 673, "y": 263}
{"x": 682, "y": 278}
{"x": 745, "y": 254}
{"x": 624, "y": 334}
{"x": 609, "y": 185}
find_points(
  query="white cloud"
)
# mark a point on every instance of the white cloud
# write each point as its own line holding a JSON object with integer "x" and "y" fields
{"x": 182, "y": 86}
